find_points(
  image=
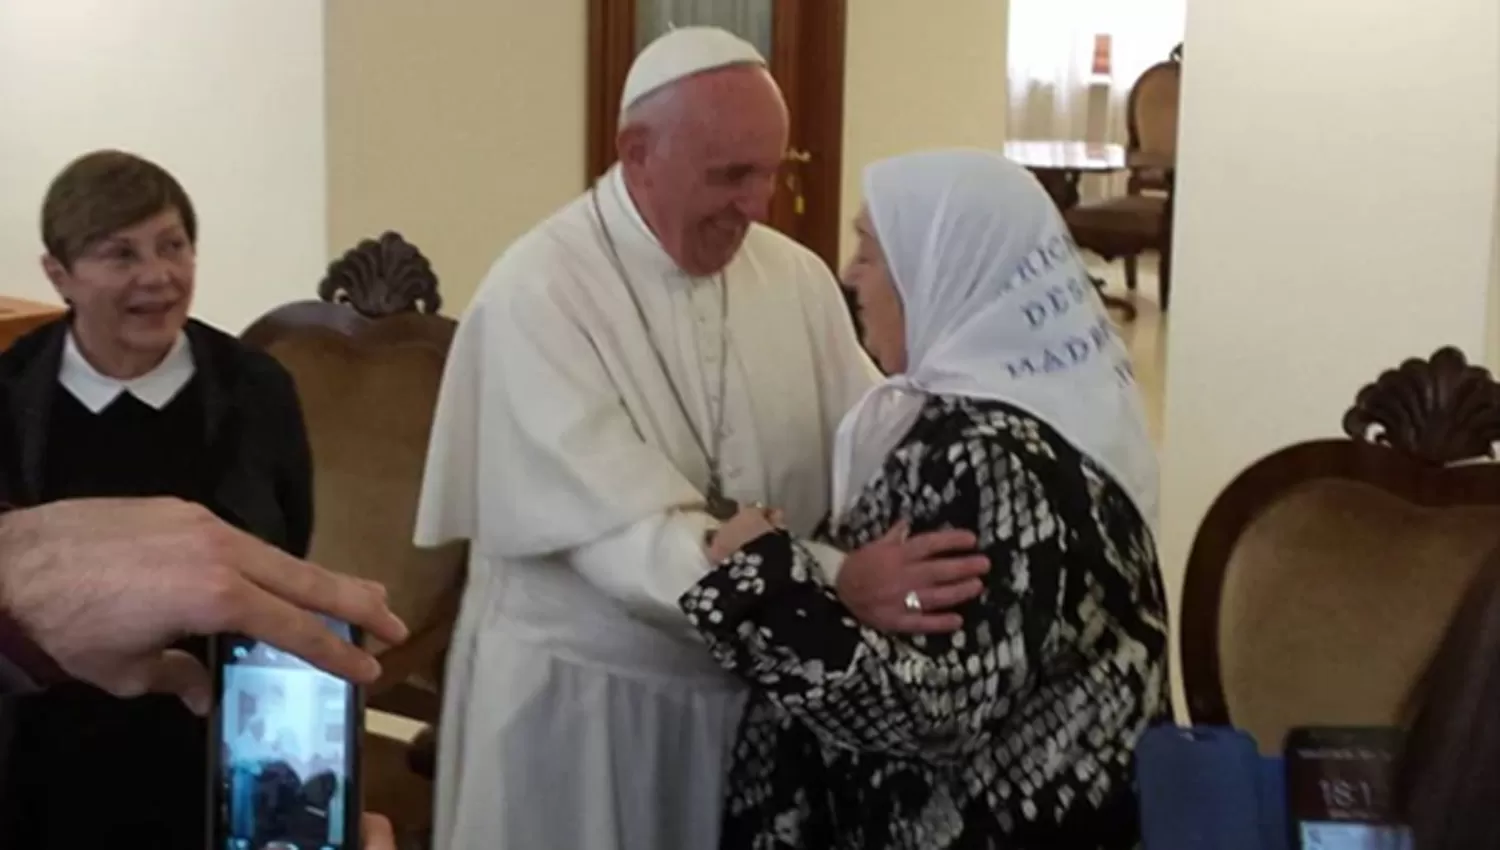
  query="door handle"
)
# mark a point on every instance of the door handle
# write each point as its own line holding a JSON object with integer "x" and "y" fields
{"x": 795, "y": 155}
{"x": 799, "y": 201}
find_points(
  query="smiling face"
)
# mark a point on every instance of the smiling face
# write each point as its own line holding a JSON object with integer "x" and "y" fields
{"x": 130, "y": 292}
{"x": 120, "y": 237}
{"x": 882, "y": 318}
{"x": 701, "y": 159}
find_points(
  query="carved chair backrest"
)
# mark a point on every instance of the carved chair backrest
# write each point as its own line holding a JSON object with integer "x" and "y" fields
{"x": 368, "y": 363}
{"x": 1322, "y": 577}
{"x": 1151, "y": 114}
{"x": 383, "y": 277}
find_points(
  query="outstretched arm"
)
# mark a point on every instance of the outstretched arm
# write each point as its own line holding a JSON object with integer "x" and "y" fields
{"x": 104, "y": 586}
{"x": 562, "y": 469}
{"x": 771, "y": 618}
{"x": 559, "y": 469}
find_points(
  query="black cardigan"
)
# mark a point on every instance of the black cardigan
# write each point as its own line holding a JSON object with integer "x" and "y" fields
{"x": 257, "y": 475}
{"x": 252, "y": 423}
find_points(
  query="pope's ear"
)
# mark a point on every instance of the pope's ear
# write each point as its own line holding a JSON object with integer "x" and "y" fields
{"x": 633, "y": 144}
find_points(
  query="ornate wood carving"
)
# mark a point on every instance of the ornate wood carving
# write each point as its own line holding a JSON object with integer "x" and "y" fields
{"x": 1441, "y": 410}
{"x": 382, "y": 277}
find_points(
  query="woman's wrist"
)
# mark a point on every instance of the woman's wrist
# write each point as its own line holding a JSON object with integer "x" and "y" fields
{"x": 716, "y": 553}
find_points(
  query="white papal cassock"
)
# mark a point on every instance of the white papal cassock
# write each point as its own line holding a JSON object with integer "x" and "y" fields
{"x": 581, "y": 712}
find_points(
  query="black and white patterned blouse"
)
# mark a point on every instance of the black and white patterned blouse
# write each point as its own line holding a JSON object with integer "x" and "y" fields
{"x": 1015, "y": 732}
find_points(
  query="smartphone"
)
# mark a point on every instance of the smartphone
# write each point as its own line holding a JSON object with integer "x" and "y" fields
{"x": 1201, "y": 788}
{"x": 1338, "y": 785}
{"x": 284, "y": 750}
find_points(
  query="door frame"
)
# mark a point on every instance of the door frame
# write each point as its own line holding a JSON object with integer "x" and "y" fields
{"x": 809, "y": 50}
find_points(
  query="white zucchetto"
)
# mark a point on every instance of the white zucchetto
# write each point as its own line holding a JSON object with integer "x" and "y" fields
{"x": 681, "y": 53}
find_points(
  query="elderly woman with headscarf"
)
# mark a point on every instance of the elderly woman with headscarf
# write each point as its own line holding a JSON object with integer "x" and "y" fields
{"x": 1010, "y": 411}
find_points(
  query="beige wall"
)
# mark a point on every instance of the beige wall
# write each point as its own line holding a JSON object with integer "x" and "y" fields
{"x": 1336, "y": 214}
{"x": 920, "y": 75}
{"x": 460, "y": 123}
{"x": 1492, "y": 348}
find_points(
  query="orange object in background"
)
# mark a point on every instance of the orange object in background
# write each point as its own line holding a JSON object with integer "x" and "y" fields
{"x": 18, "y": 316}
{"x": 1102, "y": 56}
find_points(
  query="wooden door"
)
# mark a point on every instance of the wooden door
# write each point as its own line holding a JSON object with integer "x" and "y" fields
{"x": 804, "y": 42}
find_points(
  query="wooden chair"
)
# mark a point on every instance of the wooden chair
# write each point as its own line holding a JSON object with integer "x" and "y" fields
{"x": 1323, "y": 576}
{"x": 1125, "y": 226}
{"x": 368, "y": 360}
{"x": 19, "y": 317}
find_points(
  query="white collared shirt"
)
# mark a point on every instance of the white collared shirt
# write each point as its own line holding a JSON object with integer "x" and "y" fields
{"x": 96, "y": 390}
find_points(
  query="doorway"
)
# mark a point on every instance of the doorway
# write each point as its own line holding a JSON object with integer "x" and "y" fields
{"x": 804, "y": 42}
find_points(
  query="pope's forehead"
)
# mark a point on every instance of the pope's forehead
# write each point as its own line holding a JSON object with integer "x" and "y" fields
{"x": 734, "y": 106}
{"x": 743, "y": 85}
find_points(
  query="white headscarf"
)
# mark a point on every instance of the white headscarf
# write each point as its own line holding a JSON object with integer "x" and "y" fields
{"x": 998, "y": 306}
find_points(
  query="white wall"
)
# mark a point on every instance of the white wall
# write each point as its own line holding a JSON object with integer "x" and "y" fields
{"x": 920, "y": 75}
{"x": 1336, "y": 214}
{"x": 227, "y": 95}
{"x": 1492, "y": 352}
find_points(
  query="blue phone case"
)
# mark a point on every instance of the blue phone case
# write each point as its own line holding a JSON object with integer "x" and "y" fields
{"x": 1205, "y": 788}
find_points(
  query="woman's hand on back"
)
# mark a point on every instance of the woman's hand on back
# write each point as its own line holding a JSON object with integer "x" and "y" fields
{"x": 941, "y": 568}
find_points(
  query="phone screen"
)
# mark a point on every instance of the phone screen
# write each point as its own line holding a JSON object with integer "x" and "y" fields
{"x": 1338, "y": 787}
{"x": 1336, "y": 835}
{"x": 284, "y": 754}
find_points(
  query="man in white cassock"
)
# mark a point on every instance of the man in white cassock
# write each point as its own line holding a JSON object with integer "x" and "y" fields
{"x": 629, "y": 372}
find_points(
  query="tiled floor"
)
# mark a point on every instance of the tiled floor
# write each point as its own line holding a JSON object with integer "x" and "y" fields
{"x": 1146, "y": 336}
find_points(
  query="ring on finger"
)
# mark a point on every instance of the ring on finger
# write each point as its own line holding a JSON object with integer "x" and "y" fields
{"x": 913, "y": 602}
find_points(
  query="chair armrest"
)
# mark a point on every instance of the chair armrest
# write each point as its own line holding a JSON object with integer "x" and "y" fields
{"x": 422, "y": 650}
{"x": 400, "y": 663}
{"x": 422, "y": 653}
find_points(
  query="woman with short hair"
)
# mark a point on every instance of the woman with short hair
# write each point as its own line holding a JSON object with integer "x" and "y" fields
{"x": 128, "y": 396}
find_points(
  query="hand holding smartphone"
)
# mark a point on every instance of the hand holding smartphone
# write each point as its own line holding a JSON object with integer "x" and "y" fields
{"x": 284, "y": 750}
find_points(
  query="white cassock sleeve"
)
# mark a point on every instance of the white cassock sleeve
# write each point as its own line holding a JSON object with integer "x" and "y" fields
{"x": 535, "y": 455}
{"x": 672, "y": 544}
{"x": 650, "y": 565}
{"x": 647, "y": 566}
